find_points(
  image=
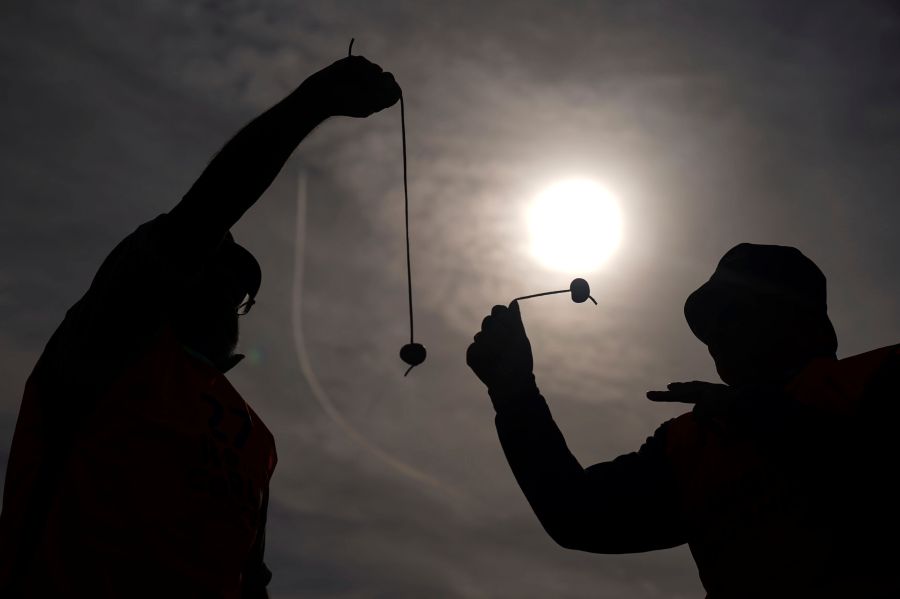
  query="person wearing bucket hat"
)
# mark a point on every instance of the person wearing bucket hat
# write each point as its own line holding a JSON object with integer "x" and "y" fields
{"x": 778, "y": 480}
{"x": 762, "y": 314}
{"x": 136, "y": 469}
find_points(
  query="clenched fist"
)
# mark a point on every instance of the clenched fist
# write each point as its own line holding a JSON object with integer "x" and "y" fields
{"x": 352, "y": 86}
{"x": 501, "y": 353}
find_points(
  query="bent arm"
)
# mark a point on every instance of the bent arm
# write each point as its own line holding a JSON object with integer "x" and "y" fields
{"x": 627, "y": 505}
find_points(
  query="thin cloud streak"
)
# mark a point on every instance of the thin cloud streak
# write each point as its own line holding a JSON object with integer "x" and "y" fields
{"x": 712, "y": 124}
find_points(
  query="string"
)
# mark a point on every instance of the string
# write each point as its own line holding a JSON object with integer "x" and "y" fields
{"x": 590, "y": 297}
{"x": 405, "y": 214}
{"x": 540, "y": 294}
{"x": 317, "y": 389}
{"x": 406, "y": 217}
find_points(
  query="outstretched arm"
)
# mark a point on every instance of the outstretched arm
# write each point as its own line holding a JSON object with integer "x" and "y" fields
{"x": 627, "y": 505}
{"x": 239, "y": 174}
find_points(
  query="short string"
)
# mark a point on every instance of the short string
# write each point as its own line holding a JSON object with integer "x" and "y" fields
{"x": 540, "y": 294}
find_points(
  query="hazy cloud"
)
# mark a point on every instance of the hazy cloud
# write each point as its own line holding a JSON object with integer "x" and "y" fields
{"x": 713, "y": 123}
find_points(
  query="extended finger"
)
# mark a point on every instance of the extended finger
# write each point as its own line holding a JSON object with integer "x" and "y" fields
{"x": 661, "y": 396}
{"x": 671, "y": 396}
{"x": 696, "y": 388}
{"x": 679, "y": 392}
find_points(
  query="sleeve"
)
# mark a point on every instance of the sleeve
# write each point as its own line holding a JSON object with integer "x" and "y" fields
{"x": 624, "y": 506}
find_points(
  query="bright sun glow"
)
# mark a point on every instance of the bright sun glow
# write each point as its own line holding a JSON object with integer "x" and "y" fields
{"x": 575, "y": 226}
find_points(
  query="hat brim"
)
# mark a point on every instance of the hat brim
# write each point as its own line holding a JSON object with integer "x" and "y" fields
{"x": 703, "y": 309}
{"x": 704, "y": 306}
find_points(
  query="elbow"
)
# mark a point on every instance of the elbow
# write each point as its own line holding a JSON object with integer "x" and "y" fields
{"x": 566, "y": 534}
{"x": 567, "y": 542}
{"x": 591, "y": 532}
{"x": 567, "y": 517}
{"x": 608, "y": 539}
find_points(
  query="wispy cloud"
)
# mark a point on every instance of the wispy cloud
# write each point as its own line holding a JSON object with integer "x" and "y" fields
{"x": 713, "y": 124}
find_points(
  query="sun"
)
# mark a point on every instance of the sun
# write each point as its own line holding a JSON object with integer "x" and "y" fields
{"x": 575, "y": 226}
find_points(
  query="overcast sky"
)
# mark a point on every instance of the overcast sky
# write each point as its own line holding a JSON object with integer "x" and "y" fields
{"x": 712, "y": 123}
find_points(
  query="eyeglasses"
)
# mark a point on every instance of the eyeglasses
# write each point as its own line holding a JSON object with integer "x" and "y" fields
{"x": 245, "y": 306}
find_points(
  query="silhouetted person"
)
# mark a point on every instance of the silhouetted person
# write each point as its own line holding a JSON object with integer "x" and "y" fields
{"x": 782, "y": 481}
{"x": 136, "y": 470}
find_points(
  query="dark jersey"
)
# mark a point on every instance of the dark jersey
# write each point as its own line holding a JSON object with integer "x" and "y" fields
{"x": 136, "y": 469}
{"x": 784, "y": 492}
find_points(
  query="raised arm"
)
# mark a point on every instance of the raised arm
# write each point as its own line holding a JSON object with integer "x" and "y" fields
{"x": 627, "y": 505}
{"x": 132, "y": 293}
{"x": 239, "y": 174}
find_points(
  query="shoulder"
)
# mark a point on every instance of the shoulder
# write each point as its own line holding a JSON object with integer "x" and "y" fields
{"x": 843, "y": 386}
{"x": 122, "y": 300}
{"x": 687, "y": 440}
{"x": 679, "y": 432}
{"x": 141, "y": 245}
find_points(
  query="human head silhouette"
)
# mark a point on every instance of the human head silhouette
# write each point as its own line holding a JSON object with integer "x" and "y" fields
{"x": 206, "y": 319}
{"x": 762, "y": 314}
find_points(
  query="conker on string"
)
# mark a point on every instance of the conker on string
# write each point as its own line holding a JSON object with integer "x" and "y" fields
{"x": 580, "y": 290}
{"x": 413, "y": 353}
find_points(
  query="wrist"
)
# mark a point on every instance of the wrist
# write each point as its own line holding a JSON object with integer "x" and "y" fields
{"x": 314, "y": 104}
{"x": 514, "y": 392}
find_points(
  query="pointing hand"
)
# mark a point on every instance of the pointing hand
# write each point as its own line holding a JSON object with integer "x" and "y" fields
{"x": 694, "y": 392}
